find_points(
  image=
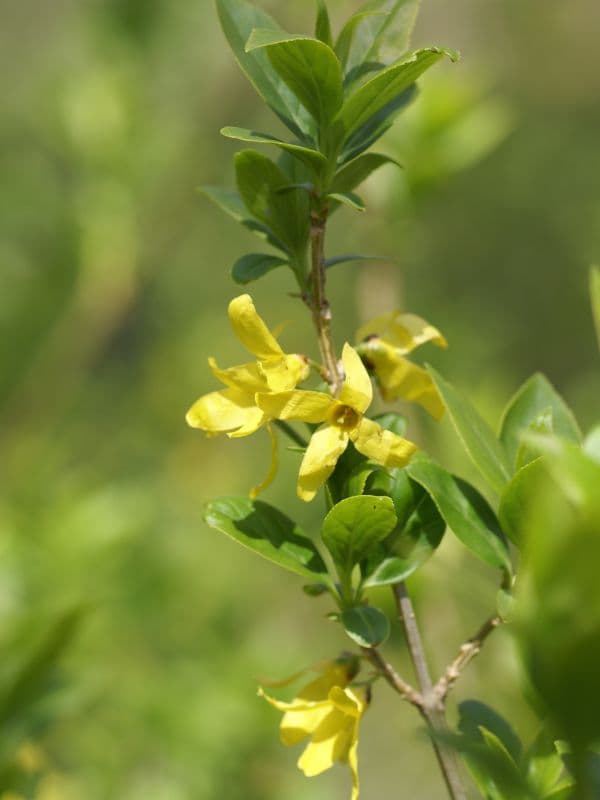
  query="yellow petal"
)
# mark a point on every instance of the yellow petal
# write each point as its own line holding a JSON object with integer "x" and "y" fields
{"x": 295, "y": 405}
{"x": 348, "y": 700}
{"x": 329, "y": 743}
{"x": 353, "y": 764}
{"x": 219, "y": 412}
{"x": 255, "y": 418}
{"x": 272, "y": 469}
{"x": 325, "y": 447}
{"x": 357, "y": 391}
{"x": 297, "y": 724}
{"x": 282, "y": 374}
{"x": 404, "y": 331}
{"x": 334, "y": 674}
{"x": 399, "y": 378}
{"x": 247, "y": 377}
{"x": 251, "y": 330}
{"x": 382, "y": 446}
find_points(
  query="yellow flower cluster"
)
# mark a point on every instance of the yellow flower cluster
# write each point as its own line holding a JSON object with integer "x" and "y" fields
{"x": 264, "y": 390}
{"x": 328, "y": 711}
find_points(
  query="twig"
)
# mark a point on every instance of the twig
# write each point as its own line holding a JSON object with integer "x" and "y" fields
{"x": 466, "y": 654}
{"x": 392, "y": 677}
{"x": 431, "y": 708}
{"x": 319, "y": 304}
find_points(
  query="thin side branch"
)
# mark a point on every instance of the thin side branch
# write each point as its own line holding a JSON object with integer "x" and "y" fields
{"x": 432, "y": 709}
{"x": 393, "y": 678}
{"x": 466, "y": 654}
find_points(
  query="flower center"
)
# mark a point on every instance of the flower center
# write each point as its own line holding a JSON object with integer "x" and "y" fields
{"x": 344, "y": 417}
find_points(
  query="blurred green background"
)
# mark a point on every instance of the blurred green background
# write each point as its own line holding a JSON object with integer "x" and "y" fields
{"x": 132, "y": 636}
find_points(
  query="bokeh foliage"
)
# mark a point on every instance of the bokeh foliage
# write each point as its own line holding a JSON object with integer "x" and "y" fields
{"x": 113, "y": 280}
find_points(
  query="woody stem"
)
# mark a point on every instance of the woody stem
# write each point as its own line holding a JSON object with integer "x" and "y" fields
{"x": 321, "y": 310}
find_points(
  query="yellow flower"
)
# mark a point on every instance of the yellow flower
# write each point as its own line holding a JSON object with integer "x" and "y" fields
{"x": 233, "y": 410}
{"x": 328, "y": 711}
{"x": 383, "y": 344}
{"x": 344, "y": 422}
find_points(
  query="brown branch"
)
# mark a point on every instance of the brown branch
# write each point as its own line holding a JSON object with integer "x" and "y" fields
{"x": 432, "y": 708}
{"x": 319, "y": 304}
{"x": 393, "y": 678}
{"x": 468, "y": 651}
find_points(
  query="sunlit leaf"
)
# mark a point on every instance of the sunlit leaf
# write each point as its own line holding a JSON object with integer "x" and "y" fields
{"x": 354, "y": 526}
{"x": 267, "y": 532}
{"x": 367, "y": 626}
{"x": 479, "y": 441}
{"x": 307, "y": 66}
{"x": 312, "y": 158}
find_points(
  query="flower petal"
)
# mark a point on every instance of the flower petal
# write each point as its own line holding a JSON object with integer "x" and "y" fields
{"x": 399, "y": 378}
{"x": 250, "y": 329}
{"x": 353, "y": 764}
{"x": 220, "y": 412}
{"x": 255, "y": 419}
{"x": 270, "y": 477}
{"x": 282, "y": 374}
{"x": 295, "y": 405}
{"x": 384, "y": 447}
{"x": 404, "y": 331}
{"x": 329, "y": 743}
{"x": 357, "y": 391}
{"x": 325, "y": 447}
{"x": 245, "y": 378}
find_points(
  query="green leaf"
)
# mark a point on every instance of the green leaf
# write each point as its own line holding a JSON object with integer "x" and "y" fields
{"x": 307, "y": 66}
{"x": 389, "y": 84}
{"x": 352, "y": 44}
{"x": 230, "y": 201}
{"x": 391, "y": 21}
{"x": 535, "y": 397}
{"x": 595, "y": 296}
{"x": 354, "y": 526}
{"x": 365, "y": 625}
{"x": 348, "y": 199}
{"x": 418, "y": 534}
{"x": 529, "y": 449}
{"x": 323, "y": 24}
{"x": 392, "y": 421}
{"x": 474, "y": 715}
{"x": 591, "y": 444}
{"x": 517, "y": 498}
{"x": 465, "y": 511}
{"x": 366, "y": 135}
{"x": 358, "y": 170}
{"x": 238, "y": 19}
{"x": 485, "y": 450}
{"x": 265, "y": 530}
{"x": 333, "y": 262}
{"x": 255, "y": 265}
{"x": 259, "y": 182}
{"x": 544, "y": 765}
{"x": 314, "y": 160}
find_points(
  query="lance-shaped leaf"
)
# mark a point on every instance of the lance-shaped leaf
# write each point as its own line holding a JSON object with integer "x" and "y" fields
{"x": 595, "y": 296}
{"x": 333, "y": 262}
{"x": 346, "y": 199}
{"x": 238, "y": 19}
{"x": 314, "y": 160}
{"x": 479, "y": 441}
{"x": 465, "y": 511}
{"x": 268, "y": 532}
{"x": 254, "y": 265}
{"x": 389, "y": 84}
{"x": 260, "y": 182}
{"x": 517, "y": 497}
{"x": 230, "y": 201}
{"x": 365, "y": 136}
{"x": 365, "y": 625}
{"x": 354, "y": 526}
{"x": 535, "y": 398}
{"x": 358, "y": 170}
{"x": 362, "y": 37}
{"x": 323, "y": 24}
{"x": 307, "y": 66}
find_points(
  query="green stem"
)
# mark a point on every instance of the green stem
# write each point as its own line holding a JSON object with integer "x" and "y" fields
{"x": 290, "y": 433}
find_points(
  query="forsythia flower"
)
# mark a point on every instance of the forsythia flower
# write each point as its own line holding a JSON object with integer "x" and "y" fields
{"x": 328, "y": 711}
{"x": 344, "y": 422}
{"x": 233, "y": 410}
{"x": 383, "y": 344}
